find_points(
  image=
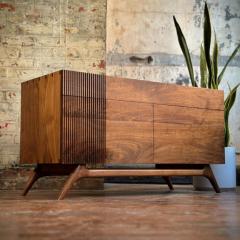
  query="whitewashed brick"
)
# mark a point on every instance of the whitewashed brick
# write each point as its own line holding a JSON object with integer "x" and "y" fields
{"x": 37, "y": 38}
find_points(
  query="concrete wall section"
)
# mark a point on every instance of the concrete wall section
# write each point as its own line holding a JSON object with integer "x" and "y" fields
{"x": 145, "y": 28}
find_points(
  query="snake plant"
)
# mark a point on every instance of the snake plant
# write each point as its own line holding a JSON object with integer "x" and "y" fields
{"x": 209, "y": 66}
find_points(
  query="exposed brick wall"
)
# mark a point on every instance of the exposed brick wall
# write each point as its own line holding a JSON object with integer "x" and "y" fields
{"x": 36, "y": 38}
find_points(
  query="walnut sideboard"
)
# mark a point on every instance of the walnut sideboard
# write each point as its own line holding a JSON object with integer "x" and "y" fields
{"x": 74, "y": 123}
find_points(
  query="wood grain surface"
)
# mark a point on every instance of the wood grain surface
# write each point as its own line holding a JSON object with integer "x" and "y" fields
{"x": 184, "y": 143}
{"x": 129, "y": 142}
{"x": 129, "y": 132}
{"x": 186, "y": 115}
{"x": 129, "y": 111}
{"x": 86, "y": 139}
{"x": 84, "y": 84}
{"x": 134, "y": 121}
{"x": 40, "y": 120}
{"x": 166, "y": 94}
{"x": 122, "y": 211}
{"x": 29, "y": 137}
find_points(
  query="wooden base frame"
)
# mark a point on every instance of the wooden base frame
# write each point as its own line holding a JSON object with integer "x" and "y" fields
{"x": 43, "y": 170}
{"x": 80, "y": 171}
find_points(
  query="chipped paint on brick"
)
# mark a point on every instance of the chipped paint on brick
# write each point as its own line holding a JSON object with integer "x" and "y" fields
{"x": 7, "y": 6}
{"x": 35, "y": 17}
{"x": 5, "y": 125}
{"x": 102, "y": 64}
{"x": 81, "y": 9}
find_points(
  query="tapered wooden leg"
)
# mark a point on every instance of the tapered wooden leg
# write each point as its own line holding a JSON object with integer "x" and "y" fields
{"x": 75, "y": 175}
{"x": 166, "y": 178}
{"x": 208, "y": 173}
{"x": 32, "y": 179}
{"x": 169, "y": 182}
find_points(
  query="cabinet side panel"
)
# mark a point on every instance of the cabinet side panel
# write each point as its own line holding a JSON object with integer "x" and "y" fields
{"x": 49, "y": 118}
{"x": 29, "y": 137}
{"x": 40, "y": 120}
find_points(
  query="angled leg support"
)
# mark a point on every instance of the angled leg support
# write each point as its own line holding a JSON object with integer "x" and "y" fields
{"x": 169, "y": 182}
{"x": 32, "y": 179}
{"x": 75, "y": 175}
{"x": 43, "y": 170}
{"x": 208, "y": 173}
{"x": 80, "y": 171}
{"x": 167, "y": 179}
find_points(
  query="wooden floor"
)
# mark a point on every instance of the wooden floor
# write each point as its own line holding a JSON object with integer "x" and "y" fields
{"x": 121, "y": 212}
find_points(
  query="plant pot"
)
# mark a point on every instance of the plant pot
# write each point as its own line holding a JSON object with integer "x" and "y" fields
{"x": 225, "y": 174}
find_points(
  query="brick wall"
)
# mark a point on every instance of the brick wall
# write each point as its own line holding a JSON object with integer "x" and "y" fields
{"x": 38, "y": 37}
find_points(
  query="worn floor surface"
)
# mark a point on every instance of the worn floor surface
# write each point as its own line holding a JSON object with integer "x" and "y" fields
{"x": 121, "y": 212}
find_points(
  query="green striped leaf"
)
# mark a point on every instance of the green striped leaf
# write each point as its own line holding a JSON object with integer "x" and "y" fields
{"x": 207, "y": 42}
{"x": 215, "y": 63}
{"x": 185, "y": 51}
{"x": 228, "y": 104}
{"x": 228, "y": 61}
{"x": 203, "y": 68}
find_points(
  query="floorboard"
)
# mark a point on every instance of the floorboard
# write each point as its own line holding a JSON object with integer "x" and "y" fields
{"x": 121, "y": 211}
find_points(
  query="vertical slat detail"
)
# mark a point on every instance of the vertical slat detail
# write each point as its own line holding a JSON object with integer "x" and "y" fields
{"x": 83, "y": 118}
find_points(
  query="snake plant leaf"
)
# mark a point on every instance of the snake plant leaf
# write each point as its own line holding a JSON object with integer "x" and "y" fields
{"x": 230, "y": 99}
{"x": 185, "y": 51}
{"x": 228, "y": 61}
{"x": 215, "y": 63}
{"x": 207, "y": 42}
{"x": 226, "y": 135}
{"x": 228, "y": 104}
{"x": 203, "y": 68}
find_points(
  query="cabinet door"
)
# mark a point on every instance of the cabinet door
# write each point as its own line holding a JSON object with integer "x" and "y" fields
{"x": 83, "y": 118}
{"x": 188, "y": 135}
{"x": 83, "y": 130}
{"x": 129, "y": 132}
